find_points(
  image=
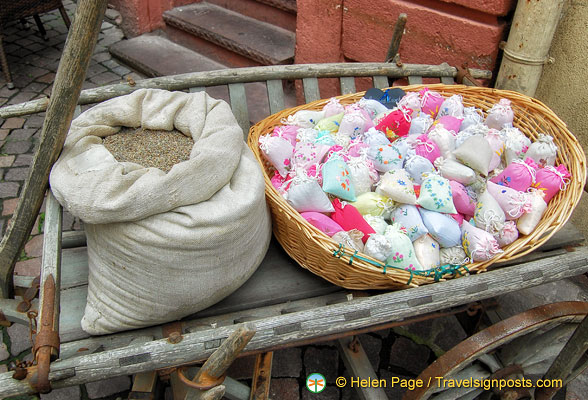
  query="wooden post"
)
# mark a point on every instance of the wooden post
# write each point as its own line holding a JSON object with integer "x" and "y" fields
{"x": 218, "y": 362}
{"x": 566, "y": 360}
{"x": 66, "y": 90}
{"x": 529, "y": 40}
{"x": 396, "y": 38}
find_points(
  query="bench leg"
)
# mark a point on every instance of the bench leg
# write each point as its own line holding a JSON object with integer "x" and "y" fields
{"x": 144, "y": 386}
{"x": 262, "y": 376}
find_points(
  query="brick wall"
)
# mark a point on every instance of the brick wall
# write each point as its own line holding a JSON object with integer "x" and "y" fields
{"x": 454, "y": 31}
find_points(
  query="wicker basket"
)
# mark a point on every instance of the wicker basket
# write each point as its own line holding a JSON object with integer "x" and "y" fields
{"x": 318, "y": 253}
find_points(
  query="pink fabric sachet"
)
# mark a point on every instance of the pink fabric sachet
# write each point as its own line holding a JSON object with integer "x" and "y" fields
{"x": 551, "y": 180}
{"x": 396, "y": 123}
{"x": 462, "y": 201}
{"x": 425, "y": 147}
{"x": 349, "y": 218}
{"x": 518, "y": 175}
{"x": 431, "y": 102}
{"x": 322, "y": 222}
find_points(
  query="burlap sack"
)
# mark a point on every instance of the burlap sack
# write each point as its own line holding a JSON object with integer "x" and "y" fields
{"x": 162, "y": 246}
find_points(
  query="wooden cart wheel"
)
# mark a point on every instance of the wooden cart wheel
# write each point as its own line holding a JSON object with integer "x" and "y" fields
{"x": 524, "y": 345}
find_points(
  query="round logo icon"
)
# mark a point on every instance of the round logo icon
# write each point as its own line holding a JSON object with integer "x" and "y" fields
{"x": 316, "y": 383}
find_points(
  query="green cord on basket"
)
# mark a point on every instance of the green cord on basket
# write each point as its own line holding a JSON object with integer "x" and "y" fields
{"x": 437, "y": 272}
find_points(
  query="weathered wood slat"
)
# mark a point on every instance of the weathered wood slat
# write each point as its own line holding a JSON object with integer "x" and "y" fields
{"x": 359, "y": 367}
{"x": 311, "y": 89}
{"x": 74, "y": 271}
{"x": 239, "y": 106}
{"x": 196, "y": 89}
{"x": 347, "y": 85}
{"x": 51, "y": 262}
{"x": 447, "y": 80}
{"x": 278, "y": 279}
{"x": 380, "y": 82}
{"x": 309, "y": 324}
{"x": 8, "y": 307}
{"x": 71, "y": 239}
{"x": 415, "y": 80}
{"x": 251, "y": 74}
{"x": 275, "y": 94}
{"x": 109, "y": 342}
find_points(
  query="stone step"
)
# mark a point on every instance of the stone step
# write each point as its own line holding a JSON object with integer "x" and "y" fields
{"x": 259, "y": 41}
{"x": 280, "y": 13}
{"x": 155, "y": 55}
{"x": 286, "y": 5}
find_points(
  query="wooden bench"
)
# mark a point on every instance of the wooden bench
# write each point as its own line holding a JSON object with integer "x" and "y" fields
{"x": 286, "y": 304}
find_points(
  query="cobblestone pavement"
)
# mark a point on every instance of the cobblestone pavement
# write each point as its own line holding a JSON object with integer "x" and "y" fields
{"x": 399, "y": 352}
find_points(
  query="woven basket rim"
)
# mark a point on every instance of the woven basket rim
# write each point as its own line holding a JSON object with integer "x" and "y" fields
{"x": 288, "y": 222}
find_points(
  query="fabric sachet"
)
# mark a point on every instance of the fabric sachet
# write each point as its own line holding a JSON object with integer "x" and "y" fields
{"x": 476, "y": 153}
{"x": 478, "y": 244}
{"x": 397, "y": 185}
{"x": 436, "y": 195}
{"x": 508, "y": 234}
{"x": 448, "y": 122}
{"x": 337, "y": 179}
{"x": 322, "y": 222}
{"x": 543, "y": 151}
{"x": 455, "y": 171}
{"x": 306, "y": 154}
{"x": 461, "y": 199}
{"x": 453, "y": 256}
{"x": 550, "y": 180}
{"x": 444, "y": 229}
{"x": 288, "y": 132}
{"x": 349, "y": 218}
{"x": 420, "y": 124}
{"x": 427, "y": 251}
{"x": 307, "y": 195}
{"x": 278, "y": 152}
{"x": 416, "y": 166}
{"x": 385, "y": 157}
{"x": 529, "y": 221}
{"x": 425, "y": 147}
{"x": 372, "y": 203}
{"x": 403, "y": 254}
{"x": 333, "y": 107}
{"x": 378, "y": 247}
{"x": 363, "y": 174}
{"x": 518, "y": 175}
{"x": 350, "y": 239}
{"x": 489, "y": 215}
{"x": 497, "y": 144}
{"x": 378, "y": 223}
{"x": 513, "y": 202}
{"x": 500, "y": 115}
{"x": 304, "y": 118}
{"x": 408, "y": 217}
{"x": 452, "y": 106}
{"x": 516, "y": 144}
{"x": 330, "y": 124}
{"x": 471, "y": 116}
{"x": 353, "y": 124}
{"x": 431, "y": 102}
{"x": 444, "y": 139}
{"x": 396, "y": 123}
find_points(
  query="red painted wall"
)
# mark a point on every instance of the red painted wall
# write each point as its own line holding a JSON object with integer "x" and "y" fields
{"x": 141, "y": 16}
{"x": 454, "y": 31}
